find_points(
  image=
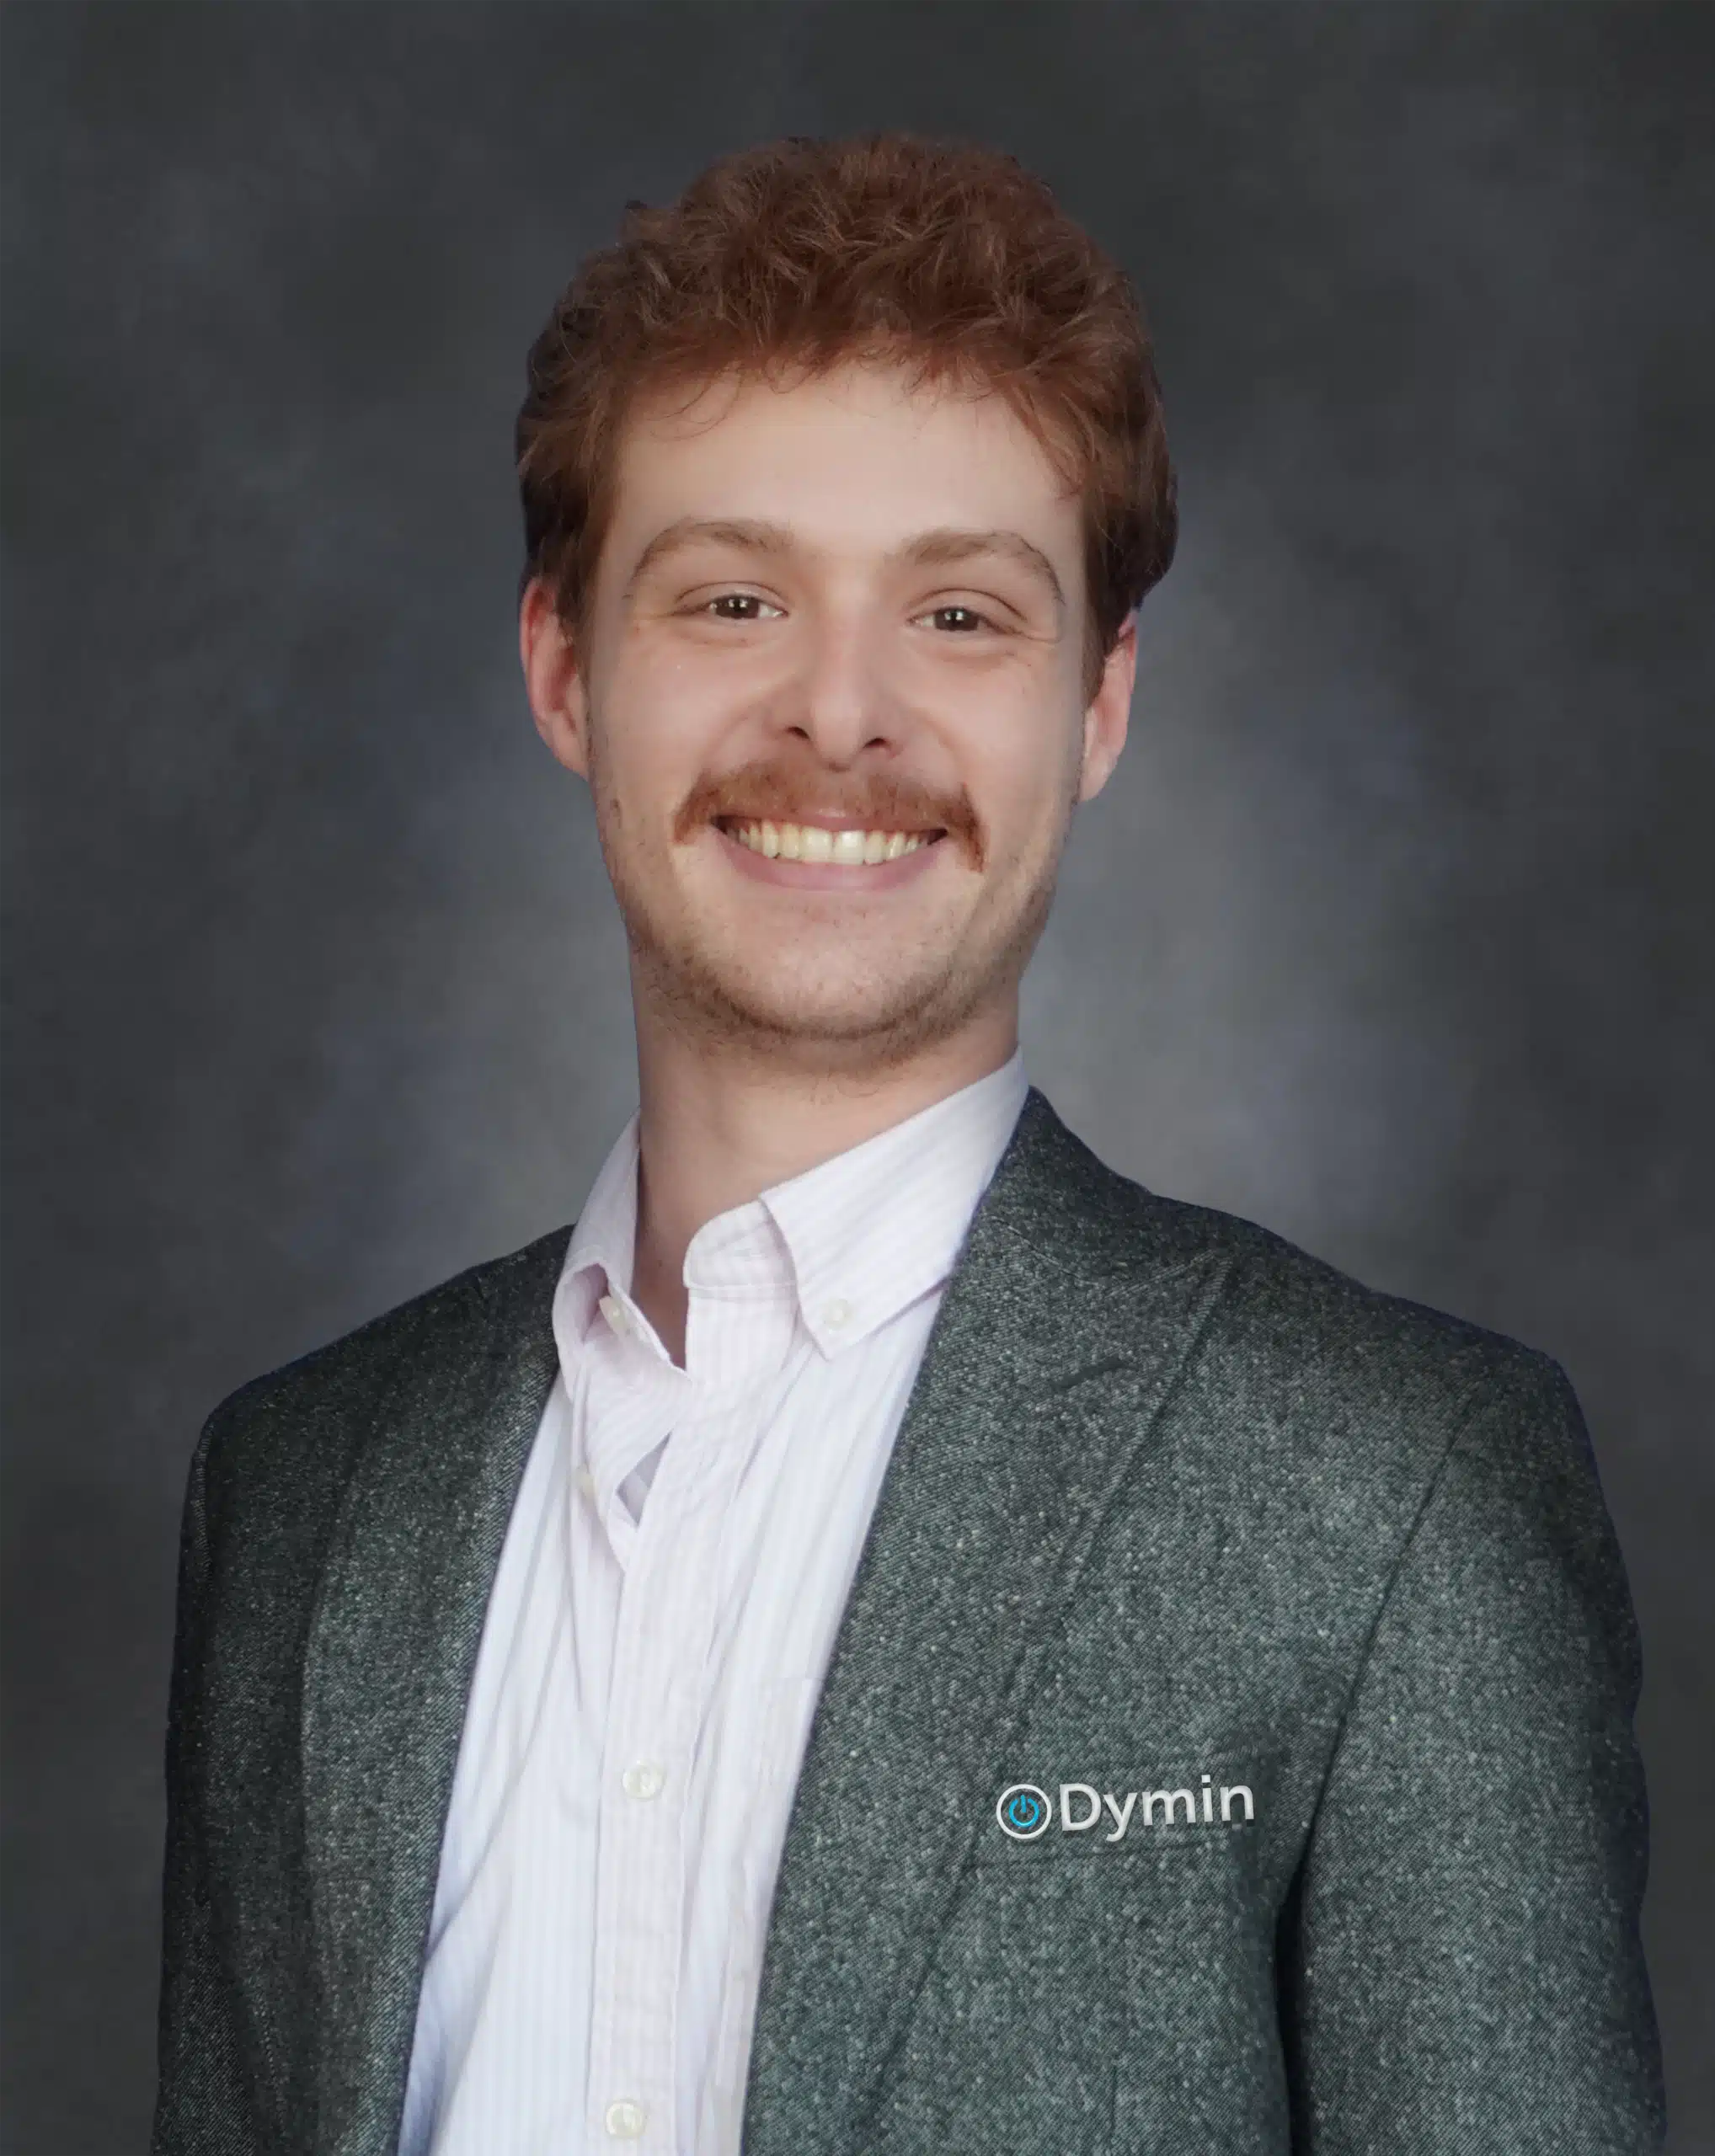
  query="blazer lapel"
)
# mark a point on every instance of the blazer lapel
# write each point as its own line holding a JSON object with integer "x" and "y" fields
{"x": 1058, "y": 1337}
{"x": 393, "y": 1646}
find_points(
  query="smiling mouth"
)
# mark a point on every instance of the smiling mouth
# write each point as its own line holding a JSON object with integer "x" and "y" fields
{"x": 816, "y": 843}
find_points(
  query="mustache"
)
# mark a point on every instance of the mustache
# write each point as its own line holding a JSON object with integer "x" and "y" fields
{"x": 883, "y": 802}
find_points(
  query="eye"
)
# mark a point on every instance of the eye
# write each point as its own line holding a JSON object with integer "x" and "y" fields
{"x": 955, "y": 620}
{"x": 737, "y": 606}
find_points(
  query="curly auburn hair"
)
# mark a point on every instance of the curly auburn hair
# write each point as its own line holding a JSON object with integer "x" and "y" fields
{"x": 949, "y": 258}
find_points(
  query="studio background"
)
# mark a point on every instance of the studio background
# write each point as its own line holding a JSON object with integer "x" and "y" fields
{"x": 1395, "y": 930}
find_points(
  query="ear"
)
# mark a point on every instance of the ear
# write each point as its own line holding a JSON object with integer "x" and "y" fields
{"x": 1109, "y": 712}
{"x": 553, "y": 679}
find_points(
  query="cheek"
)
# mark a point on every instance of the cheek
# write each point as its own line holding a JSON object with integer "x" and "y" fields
{"x": 1023, "y": 786}
{"x": 669, "y": 716}
{"x": 642, "y": 754}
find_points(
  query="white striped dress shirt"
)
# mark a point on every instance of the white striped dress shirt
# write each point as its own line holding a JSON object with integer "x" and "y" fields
{"x": 648, "y": 1670}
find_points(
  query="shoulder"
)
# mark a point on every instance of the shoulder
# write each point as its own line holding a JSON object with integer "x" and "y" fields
{"x": 1288, "y": 1321}
{"x": 1332, "y": 1425}
{"x": 1290, "y": 1349}
{"x": 456, "y": 1313}
{"x": 300, "y": 1423}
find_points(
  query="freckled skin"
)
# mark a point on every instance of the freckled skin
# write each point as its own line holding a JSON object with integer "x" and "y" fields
{"x": 828, "y": 670}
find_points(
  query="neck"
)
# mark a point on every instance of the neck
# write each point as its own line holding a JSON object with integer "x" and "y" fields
{"x": 718, "y": 1126}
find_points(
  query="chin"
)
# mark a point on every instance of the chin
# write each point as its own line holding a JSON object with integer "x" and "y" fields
{"x": 831, "y": 1020}
{"x": 855, "y": 1021}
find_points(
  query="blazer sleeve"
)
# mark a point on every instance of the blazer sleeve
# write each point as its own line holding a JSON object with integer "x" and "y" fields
{"x": 203, "y": 2099}
{"x": 1459, "y": 1962}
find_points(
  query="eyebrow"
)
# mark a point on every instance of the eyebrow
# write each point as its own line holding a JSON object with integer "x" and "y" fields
{"x": 940, "y": 548}
{"x": 751, "y": 534}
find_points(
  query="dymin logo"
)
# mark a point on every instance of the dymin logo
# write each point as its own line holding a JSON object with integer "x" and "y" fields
{"x": 1024, "y": 1812}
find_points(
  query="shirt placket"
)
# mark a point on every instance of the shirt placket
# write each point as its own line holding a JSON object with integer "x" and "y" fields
{"x": 666, "y": 1615}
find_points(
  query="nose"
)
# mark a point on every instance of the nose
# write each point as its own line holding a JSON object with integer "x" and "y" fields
{"x": 842, "y": 705}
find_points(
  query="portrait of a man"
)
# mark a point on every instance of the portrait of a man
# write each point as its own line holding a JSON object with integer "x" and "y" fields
{"x": 885, "y": 1633}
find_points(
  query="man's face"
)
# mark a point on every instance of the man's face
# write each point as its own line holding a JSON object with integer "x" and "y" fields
{"x": 831, "y": 709}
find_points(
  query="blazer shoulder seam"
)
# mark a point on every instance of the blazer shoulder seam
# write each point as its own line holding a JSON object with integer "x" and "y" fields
{"x": 382, "y": 1335}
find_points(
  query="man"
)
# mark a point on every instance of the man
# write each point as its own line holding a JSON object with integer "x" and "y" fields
{"x": 886, "y": 1635}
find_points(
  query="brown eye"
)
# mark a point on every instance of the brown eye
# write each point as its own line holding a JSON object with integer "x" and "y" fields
{"x": 736, "y": 606}
{"x": 961, "y": 619}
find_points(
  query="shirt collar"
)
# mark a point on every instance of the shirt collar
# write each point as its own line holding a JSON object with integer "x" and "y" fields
{"x": 603, "y": 1244}
{"x": 865, "y": 1233}
{"x": 876, "y": 1226}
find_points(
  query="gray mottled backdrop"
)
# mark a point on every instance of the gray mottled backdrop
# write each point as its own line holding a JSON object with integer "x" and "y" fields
{"x": 1396, "y": 930}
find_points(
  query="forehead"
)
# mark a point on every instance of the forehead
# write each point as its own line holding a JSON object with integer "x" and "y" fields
{"x": 850, "y": 459}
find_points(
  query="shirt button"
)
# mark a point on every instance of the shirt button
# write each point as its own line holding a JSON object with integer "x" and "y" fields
{"x": 624, "y": 2119}
{"x": 614, "y": 1312}
{"x": 586, "y": 1482}
{"x": 836, "y": 1313}
{"x": 643, "y": 1778}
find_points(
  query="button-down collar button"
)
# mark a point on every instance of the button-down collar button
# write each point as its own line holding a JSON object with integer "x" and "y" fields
{"x": 614, "y": 1311}
{"x": 643, "y": 1778}
{"x": 624, "y": 2119}
{"x": 836, "y": 1314}
{"x": 586, "y": 1482}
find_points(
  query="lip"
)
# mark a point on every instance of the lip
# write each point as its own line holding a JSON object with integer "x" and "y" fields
{"x": 854, "y": 879}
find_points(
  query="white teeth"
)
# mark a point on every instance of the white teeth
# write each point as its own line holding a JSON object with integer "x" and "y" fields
{"x": 811, "y": 842}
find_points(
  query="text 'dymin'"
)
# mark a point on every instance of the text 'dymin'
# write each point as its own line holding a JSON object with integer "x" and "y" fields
{"x": 1026, "y": 1812}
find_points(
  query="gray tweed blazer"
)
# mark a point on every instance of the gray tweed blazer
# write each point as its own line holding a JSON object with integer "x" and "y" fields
{"x": 1227, "y": 1744}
